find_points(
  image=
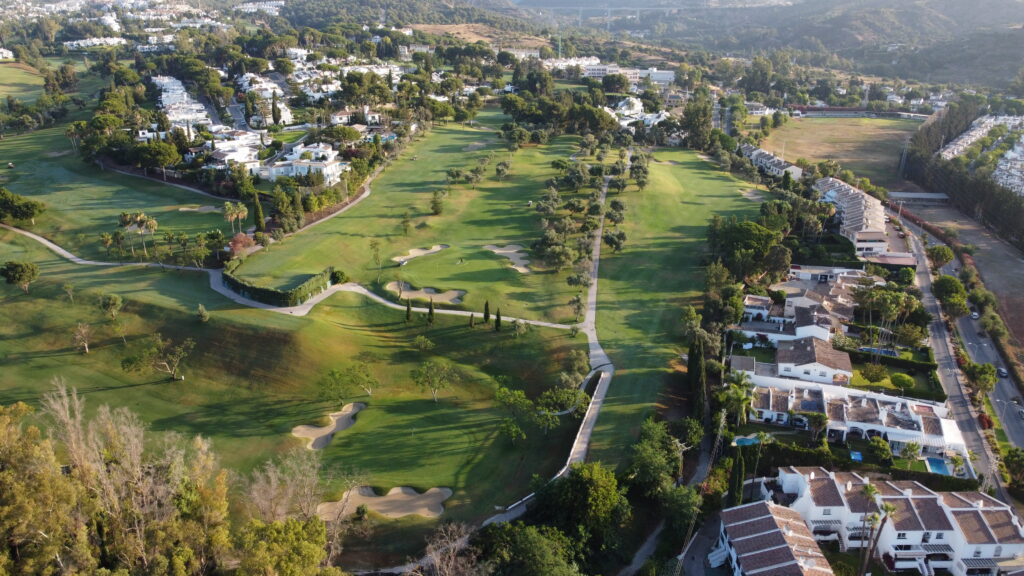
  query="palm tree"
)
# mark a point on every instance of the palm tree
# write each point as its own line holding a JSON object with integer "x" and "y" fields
{"x": 816, "y": 421}
{"x": 139, "y": 221}
{"x": 888, "y": 511}
{"x": 762, "y": 439}
{"x": 911, "y": 451}
{"x": 870, "y": 492}
{"x": 126, "y": 219}
{"x": 230, "y": 214}
{"x": 149, "y": 227}
{"x": 735, "y": 399}
{"x": 107, "y": 240}
{"x": 241, "y": 213}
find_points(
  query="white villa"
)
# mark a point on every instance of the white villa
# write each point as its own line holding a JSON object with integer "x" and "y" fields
{"x": 966, "y": 533}
{"x": 770, "y": 163}
{"x": 181, "y": 108}
{"x": 305, "y": 159}
{"x": 861, "y": 216}
{"x": 765, "y": 539}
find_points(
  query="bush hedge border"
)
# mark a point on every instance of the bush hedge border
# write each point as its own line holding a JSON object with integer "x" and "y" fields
{"x": 311, "y": 287}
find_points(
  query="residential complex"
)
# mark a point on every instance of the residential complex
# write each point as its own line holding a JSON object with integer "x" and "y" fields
{"x": 966, "y": 533}
{"x": 308, "y": 159}
{"x": 769, "y": 163}
{"x": 861, "y": 216}
{"x": 978, "y": 130}
{"x": 182, "y": 110}
{"x": 1009, "y": 173}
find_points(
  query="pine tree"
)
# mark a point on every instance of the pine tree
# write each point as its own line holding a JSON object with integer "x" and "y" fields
{"x": 472, "y": 320}
{"x": 258, "y": 211}
{"x": 497, "y": 321}
{"x": 408, "y": 311}
{"x": 430, "y": 313}
{"x": 697, "y": 377}
{"x": 487, "y": 311}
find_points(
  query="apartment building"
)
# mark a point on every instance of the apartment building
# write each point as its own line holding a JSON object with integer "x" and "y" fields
{"x": 965, "y": 533}
{"x": 861, "y": 216}
{"x": 769, "y": 163}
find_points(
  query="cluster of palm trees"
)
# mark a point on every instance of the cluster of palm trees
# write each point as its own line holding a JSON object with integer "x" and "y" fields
{"x": 235, "y": 212}
{"x": 132, "y": 223}
{"x": 892, "y": 307}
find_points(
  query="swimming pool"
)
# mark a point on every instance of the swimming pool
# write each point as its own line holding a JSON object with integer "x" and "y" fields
{"x": 938, "y": 466}
{"x": 748, "y": 440}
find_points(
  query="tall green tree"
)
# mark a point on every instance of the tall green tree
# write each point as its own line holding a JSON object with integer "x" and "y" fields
{"x": 20, "y": 274}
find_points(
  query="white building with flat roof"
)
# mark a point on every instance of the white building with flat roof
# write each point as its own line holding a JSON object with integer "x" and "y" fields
{"x": 861, "y": 216}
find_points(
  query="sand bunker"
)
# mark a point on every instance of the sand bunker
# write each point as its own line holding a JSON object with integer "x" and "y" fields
{"x": 407, "y": 293}
{"x": 400, "y": 501}
{"x": 417, "y": 252}
{"x": 753, "y": 195}
{"x": 473, "y": 147}
{"x": 201, "y": 209}
{"x": 57, "y": 154}
{"x": 515, "y": 253}
{"x": 320, "y": 436}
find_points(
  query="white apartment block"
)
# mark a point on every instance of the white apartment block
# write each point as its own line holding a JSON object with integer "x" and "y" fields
{"x": 861, "y": 216}
{"x": 852, "y": 413}
{"x": 6, "y": 54}
{"x": 633, "y": 75}
{"x": 181, "y": 108}
{"x": 966, "y": 533}
{"x": 770, "y": 163}
{"x": 1009, "y": 172}
{"x": 93, "y": 42}
{"x": 306, "y": 159}
{"x": 765, "y": 539}
{"x": 978, "y": 130}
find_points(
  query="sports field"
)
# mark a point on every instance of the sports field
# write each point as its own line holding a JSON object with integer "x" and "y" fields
{"x": 495, "y": 212}
{"x": 644, "y": 287}
{"x": 83, "y": 201}
{"x": 870, "y": 147}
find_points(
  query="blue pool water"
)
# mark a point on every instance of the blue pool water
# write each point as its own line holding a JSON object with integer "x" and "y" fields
{"x": 938, "y": 466}
{"x": 892, "y": 353}
{"x": 744, "y": 441}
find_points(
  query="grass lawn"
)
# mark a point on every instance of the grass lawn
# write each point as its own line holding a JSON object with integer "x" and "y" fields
{"x": 494, "y": 213}
{"x": 254, "y": 376}
{"x": 921, "y": 383}
{"x": 289, "y": 136}
{"x": 83, "y": 201}
{"x": 20, "y": 81}
{"x": 997, "y": 423}
{"x": 868, "y": 146}
{"x": 643, "y": 288}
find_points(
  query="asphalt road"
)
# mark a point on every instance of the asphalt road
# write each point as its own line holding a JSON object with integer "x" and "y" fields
{"x": 949, "y": 375}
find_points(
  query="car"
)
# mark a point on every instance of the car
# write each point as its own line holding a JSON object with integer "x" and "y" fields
{"x": 1016, "y": 400}
{"x": 903, "y": 234}
{"x": 1021, "y": 413}
{"x": 975, "y": 316}
{"x": 1003, "y": 373}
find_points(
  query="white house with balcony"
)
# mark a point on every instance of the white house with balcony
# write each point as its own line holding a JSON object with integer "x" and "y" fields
{"x": 306, "y": 159}
{"x": 965, "y": 533}
{"x": 861, "y": 216}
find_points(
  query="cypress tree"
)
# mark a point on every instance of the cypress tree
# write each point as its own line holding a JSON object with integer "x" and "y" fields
{"x": 697, "y": 377}
{"x": 487, "y": 311}
{"x": 472, "y": 320}
{"x": 430, "y": 313}
{"x": 741, "y": 474}
{"x": 408, "y": 311}
{"x": 258, "y": 211}
{"x": 497, "y": 321}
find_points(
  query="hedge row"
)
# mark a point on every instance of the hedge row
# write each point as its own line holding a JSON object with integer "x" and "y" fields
{"x": 311, "y": 287}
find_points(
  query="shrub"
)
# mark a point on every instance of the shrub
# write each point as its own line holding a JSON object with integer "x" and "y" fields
{"x": 985, "y": 421}
{"x": 338, "y": 277}
{"x": 314, "y": 285}
{"x": 903, "y": 381}
{"x": 874, "y": 372}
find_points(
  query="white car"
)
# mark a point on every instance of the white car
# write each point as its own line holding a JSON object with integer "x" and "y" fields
{"x": 975, "y": 316}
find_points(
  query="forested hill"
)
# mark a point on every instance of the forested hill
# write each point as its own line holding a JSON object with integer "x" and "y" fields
{"x": 320, "y": 13}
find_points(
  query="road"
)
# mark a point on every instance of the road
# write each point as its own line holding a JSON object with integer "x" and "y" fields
{"x": 949, "y": 374}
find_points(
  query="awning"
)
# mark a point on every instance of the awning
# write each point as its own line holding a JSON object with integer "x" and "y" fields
{"x": 937, "y": 548}
{"x": 828, "y": 523}
{"x": 980, "y": 562}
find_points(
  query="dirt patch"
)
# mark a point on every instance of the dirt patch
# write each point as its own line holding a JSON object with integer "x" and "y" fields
{"x": 482, "y": 33}
{"x": 515, "y": 253}
{"x": 417, "y": 252}
{"x": 398, "y": 502}
{"x": 57, "y": 154}
{"x": 320, "y": 436}
{"x": 200, "y": 209}
{"x": 1001, "y": 266}
{"x": 408, "y": 293}
{"x": 475, "y": 146}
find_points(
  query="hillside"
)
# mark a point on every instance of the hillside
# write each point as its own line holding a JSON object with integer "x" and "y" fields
{"x": 320, "y": 13}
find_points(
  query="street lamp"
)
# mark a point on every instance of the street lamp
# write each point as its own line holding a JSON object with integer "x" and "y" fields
{"x": 1002, "y": 411}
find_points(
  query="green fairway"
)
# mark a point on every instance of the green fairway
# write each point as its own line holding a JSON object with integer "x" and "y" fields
{"x": 643, "y": 288}
{"x": 868, "y": 146}
{"x": 83, "y": 201}
{"x": 496, "y": 212}
{"x": 254, "y": 375}
{"x": 20, "y": 81}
